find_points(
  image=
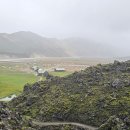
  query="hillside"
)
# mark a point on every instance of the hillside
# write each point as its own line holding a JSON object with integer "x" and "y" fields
{"x": 98, "y": 96}
{"x": 82, "y": 47}
{"x": 28, "y": 44}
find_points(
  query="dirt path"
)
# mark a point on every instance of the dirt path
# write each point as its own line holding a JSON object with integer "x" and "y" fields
{"x": 64, "y": 123}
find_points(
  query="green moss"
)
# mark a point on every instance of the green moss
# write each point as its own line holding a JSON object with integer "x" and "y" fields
{"x": 87, "y": 97}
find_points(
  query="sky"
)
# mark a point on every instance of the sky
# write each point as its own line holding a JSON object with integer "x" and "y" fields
{"x": 105, "y": 21}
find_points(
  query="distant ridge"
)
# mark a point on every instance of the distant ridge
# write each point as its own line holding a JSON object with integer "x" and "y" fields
{"x": 26, "y": 44}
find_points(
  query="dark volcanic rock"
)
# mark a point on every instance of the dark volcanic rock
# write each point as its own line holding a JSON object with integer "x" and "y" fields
{"x": 9, "y": 120}
{"x": 31, "y": 100}
{"x": 114, "y": 123}
{"x": 26, "y": 88}
{"x": 98, "y": 95}
{"x": 117, "y": 83}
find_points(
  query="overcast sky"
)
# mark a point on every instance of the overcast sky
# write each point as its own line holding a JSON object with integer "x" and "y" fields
{"x": 106, "y": 21}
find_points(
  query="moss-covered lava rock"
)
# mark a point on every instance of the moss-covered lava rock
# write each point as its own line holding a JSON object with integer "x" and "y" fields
{"x": 91, "y": 97}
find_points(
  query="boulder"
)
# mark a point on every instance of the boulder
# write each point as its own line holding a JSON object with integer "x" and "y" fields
{"x": 26, "y": 88}
{"x": 117, "y": 83}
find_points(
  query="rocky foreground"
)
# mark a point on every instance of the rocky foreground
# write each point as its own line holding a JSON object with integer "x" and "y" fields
{"x": 98, "y": 96}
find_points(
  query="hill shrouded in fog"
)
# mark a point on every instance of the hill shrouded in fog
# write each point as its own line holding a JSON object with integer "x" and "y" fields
{"x": 27, "y": 44}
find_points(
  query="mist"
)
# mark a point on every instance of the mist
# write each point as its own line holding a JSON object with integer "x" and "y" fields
{"x": 106, "y": 22}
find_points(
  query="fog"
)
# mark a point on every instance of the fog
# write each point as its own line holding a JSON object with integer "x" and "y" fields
{"x": 105, "y": 21}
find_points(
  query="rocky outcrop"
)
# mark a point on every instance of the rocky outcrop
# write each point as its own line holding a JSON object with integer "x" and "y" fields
{"x": 115, "y": 123}
{"x": 90, "y": 97}
{"x": 9, "y": 120}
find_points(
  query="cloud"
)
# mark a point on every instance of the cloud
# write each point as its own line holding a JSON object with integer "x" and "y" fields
{"x": 106, "y": 21}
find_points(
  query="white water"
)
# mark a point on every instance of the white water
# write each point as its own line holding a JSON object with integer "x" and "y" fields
{"x": 8, "y": 98}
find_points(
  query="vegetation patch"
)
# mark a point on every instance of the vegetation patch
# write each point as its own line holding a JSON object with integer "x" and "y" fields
{"x": 98, "y": 96}
{"x": 13, "y": 81}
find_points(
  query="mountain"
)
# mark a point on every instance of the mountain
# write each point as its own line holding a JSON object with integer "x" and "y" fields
{"x": 98, "y": 96}
{"x": 28, "y": 44}
{"x": 81, "y": 47}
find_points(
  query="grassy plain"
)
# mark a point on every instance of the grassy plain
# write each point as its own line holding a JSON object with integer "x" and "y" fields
{"x": 12, "y": 81}
{"x": 14, "y": 74}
